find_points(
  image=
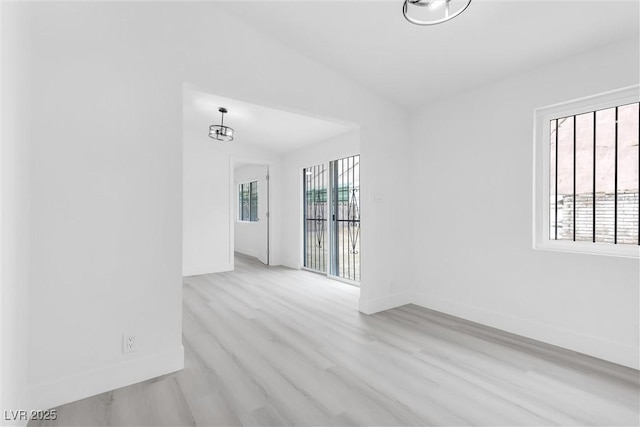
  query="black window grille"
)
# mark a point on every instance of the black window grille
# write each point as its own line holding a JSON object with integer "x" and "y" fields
{"x": 248, "y": 201}
{"x": 339, "y": 185}
{"x": 346, "y": 217}
{"x": 594, "y": 176}
{"x": 315, "y": 221}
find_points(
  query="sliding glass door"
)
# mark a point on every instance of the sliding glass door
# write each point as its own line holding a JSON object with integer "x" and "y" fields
{"x": 345, "y": 218}
{"x": 333, "y": 192}
{"x": 315, "y": 221}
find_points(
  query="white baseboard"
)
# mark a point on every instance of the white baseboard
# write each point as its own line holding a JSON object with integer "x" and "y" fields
{"x": 292, "y": 263}
{"x": 375, "y": 305}
{"x": 247, "y": 252}
{"x": 51, "y": 393}
{"x": 200, "y": 270}
{"x": 593, "y": 346}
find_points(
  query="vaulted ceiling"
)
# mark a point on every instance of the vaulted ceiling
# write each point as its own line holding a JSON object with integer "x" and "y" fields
{"x": 371, "y": 43}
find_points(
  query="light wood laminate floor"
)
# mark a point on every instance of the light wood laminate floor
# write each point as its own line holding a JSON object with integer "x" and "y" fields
{"x": 273, "y": 346}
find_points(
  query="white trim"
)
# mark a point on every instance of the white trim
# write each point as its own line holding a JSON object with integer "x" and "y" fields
{"x": 598, "y": 347}
{"x": 233, "y": 211}
{"x": 51, "y": 393}
{"x": 612, "y": 351}
{"x": 376, "y": 305}
{"x": 541, "y": 119}
{"x": 199, "y": 270}
{"x": 606, "y": 249}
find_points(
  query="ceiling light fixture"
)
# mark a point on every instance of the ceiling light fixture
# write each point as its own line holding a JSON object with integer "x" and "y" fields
{"x": 432, "y": 12}
{"x": 221, "y": 132}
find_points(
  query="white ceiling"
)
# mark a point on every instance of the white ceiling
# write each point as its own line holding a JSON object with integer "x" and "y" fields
{"x": 267, "y": 128}
{"x": 370, "y": 41}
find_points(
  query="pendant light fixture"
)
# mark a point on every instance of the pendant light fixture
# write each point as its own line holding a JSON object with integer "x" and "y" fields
{"x": 221, "y": 132}
{"x": 432, "y": 12}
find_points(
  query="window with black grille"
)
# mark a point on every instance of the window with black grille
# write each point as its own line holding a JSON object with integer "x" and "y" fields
{"x": 594, "y": 175}
{"x": 248, "y": 201}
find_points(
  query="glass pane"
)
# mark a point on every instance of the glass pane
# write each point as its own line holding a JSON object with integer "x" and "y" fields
{"x": 628, "y": 175}
{"x": 253, "y": 190}
{"x": 245, "y": 202}
{"x": 605, "y": 171}
{"x": 240, "y": 202}
{"x": 565, "y": 179}
{"x": 552, "y": 179}
{"x": 315, "y": 204}
{"x": 584, "y": 177}
{"x": 346, "y": 251}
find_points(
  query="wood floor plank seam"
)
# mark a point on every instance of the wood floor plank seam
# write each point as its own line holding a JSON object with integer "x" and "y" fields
{"x": 271, "y": 346}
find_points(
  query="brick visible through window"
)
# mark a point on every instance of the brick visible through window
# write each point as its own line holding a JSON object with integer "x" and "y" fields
{"x": 594, "y": 175}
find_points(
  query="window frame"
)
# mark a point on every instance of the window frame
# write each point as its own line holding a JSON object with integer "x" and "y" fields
{"x": 249, "y": 184}
{"x": 541, "y": 187}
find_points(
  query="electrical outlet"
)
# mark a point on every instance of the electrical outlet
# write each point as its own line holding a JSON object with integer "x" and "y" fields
{"x": 128, "y": 343}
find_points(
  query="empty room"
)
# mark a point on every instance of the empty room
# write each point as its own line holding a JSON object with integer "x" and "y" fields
{"x": 320, "y": 213}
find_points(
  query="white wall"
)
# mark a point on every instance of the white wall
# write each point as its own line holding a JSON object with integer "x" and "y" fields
{"x": 105, "y": 173}
{"x": 261, "y": 71}
{"x": 15, "y": 211}
{"x": 209, "y": 203}
{"x": 472, "y": 246}
{"x": 105, "y": 170}
{"x": 251, "y": 237}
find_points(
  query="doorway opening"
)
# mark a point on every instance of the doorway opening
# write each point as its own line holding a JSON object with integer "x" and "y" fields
{"x": 251, "y": 209}
{"x": 224, "y": 212}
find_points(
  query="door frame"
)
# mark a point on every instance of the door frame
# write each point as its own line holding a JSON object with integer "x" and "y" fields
{"x": 331, "y": 224}
{"x": 233, "y": 202}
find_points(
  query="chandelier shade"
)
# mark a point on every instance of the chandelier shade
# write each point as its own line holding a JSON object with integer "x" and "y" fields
{"x": 432, "y": 12}
{"x": 221, "y": 132}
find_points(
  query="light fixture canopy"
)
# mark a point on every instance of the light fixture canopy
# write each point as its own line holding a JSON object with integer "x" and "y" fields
{"x": 221, "y": 132}
{"x": 432, "y": 12}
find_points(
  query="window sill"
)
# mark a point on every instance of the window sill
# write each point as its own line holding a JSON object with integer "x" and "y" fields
{"x": 590, "y": 248}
